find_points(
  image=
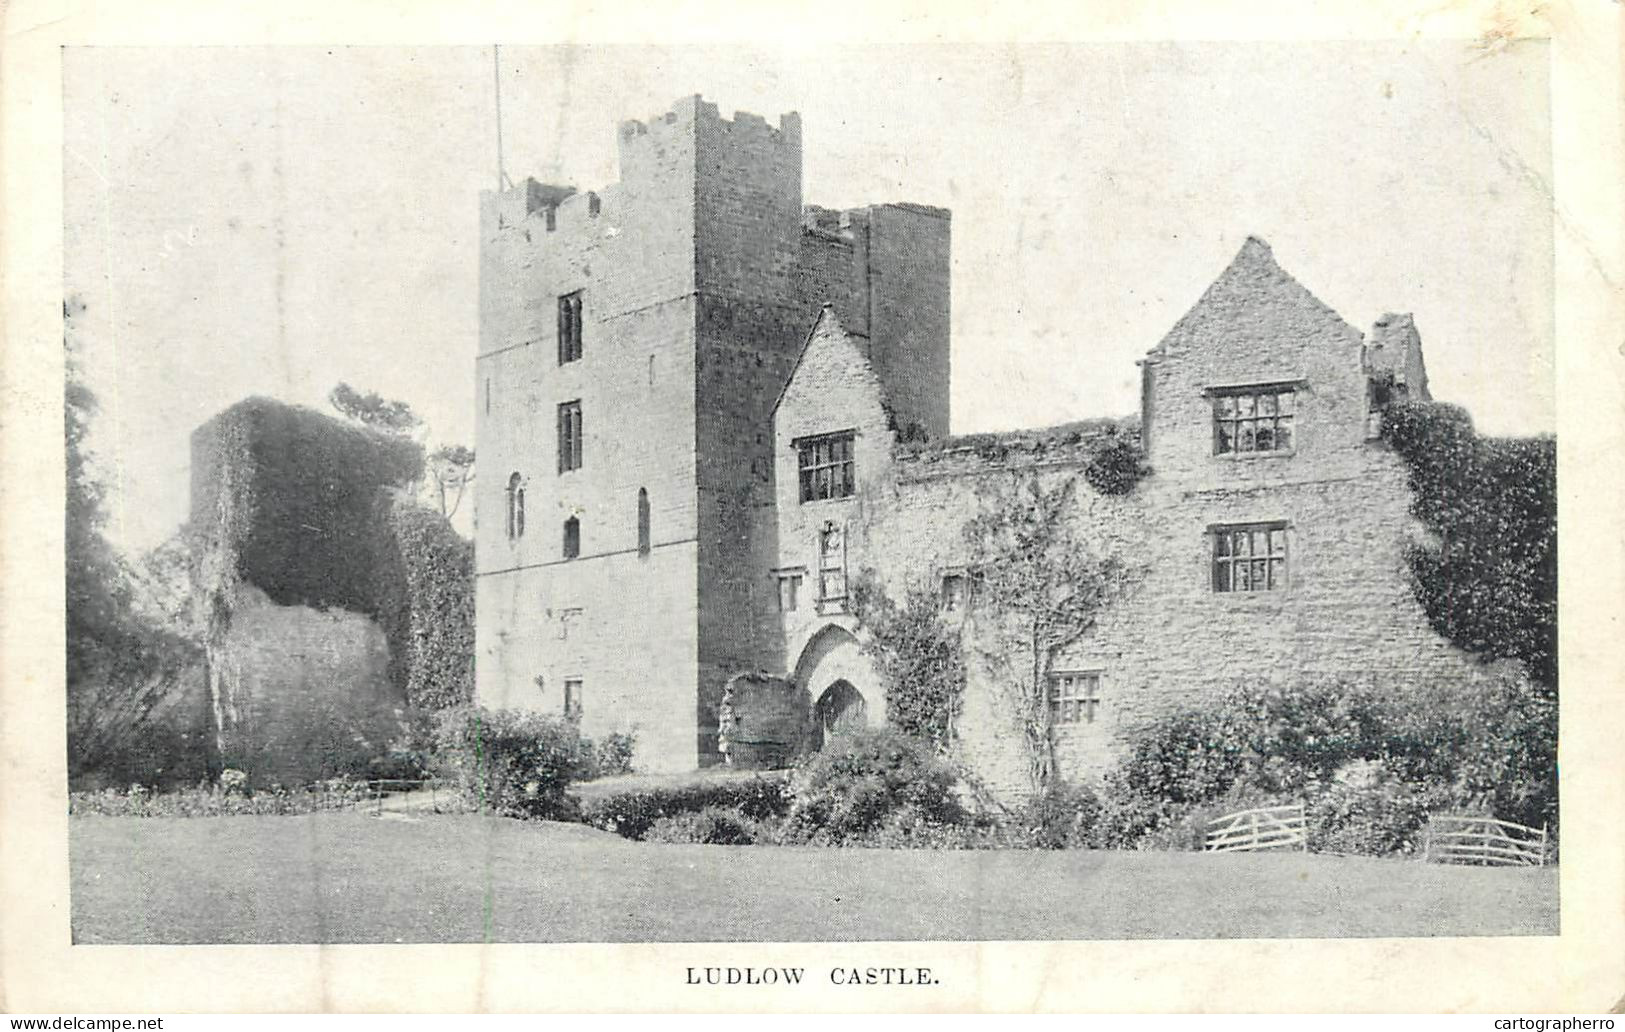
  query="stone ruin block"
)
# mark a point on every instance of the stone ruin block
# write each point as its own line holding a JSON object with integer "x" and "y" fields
{"x": 766, "y": 721}
{"x": 297, "y": 587}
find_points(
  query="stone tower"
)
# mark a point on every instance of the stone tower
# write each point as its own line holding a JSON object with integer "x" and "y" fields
{"x": 632, "y": 343}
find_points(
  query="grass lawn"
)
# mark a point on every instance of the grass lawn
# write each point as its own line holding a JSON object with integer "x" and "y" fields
{"x": 353, "y": 878}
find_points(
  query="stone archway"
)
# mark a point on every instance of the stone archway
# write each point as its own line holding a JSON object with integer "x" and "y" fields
{"x": 840, "y": 684}
{"x": 840, "y": 709}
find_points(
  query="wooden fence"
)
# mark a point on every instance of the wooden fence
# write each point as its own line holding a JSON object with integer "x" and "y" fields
{"x": 1266, "y": 827}
{"x": 1483, "y": 840}
{"x": 378, "y": 789}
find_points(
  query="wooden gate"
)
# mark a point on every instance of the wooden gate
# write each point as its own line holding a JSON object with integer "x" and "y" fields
{"x": 1453, "y": 839}
{"x": 1265, "y": 827}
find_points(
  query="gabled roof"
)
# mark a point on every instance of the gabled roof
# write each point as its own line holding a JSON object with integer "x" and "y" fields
{"x": 827, "y": 320}
{"x": 1253, "y": 260}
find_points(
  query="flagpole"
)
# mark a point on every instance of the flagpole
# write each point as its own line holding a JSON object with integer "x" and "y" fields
{"x": 496, "y": 78}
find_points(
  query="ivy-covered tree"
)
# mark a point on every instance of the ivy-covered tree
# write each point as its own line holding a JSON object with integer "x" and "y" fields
{"x": 1488, "y": 578}
{"x": 1037, "y": 587}
{"x": 918, "y": 657}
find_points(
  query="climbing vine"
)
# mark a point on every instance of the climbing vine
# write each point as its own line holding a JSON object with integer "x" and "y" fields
{"x": 433, "y": 616}
{"x": 918, "y": 657}
{"x": 1038, "y": 587}
{"x": 1488, "y": 579}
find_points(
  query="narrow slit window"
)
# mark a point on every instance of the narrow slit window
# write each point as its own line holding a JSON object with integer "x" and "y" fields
{"x": 643, "y": 521}
{"x": 570, "y": 328}
{"x": 789, "y": 591}
{"x": 516, "y": 506}
{"x": 572, "y": 538}
{"x": 570, "y": 450}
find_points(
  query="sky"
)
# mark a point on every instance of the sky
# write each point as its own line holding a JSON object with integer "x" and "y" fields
{"x": 273, "y": 221}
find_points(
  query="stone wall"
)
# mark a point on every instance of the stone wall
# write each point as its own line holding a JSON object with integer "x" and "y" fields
{"x": 300, "y": 693}
{"x": 1169, "y": 639}
{"x": 297, "y": 584}
{"x": 619, "y": 624}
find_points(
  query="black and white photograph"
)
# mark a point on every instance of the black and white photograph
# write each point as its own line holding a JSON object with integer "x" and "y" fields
{"x": 816, "y": 492}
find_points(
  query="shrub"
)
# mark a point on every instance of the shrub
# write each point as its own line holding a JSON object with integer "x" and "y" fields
{"x": 1064, "y": 817}
{"x": 712, "y": 826}
{"x": 410, "y": 755}
{"x": 1127, "y": 816}
{"x": 230, "y": 798}
{"x": 1365, "y": 810}
{"x": 1187, "y": 757}
{"x": 859, "y": 781}
{"x": 1116, "y": 462}
{"x": 612, "y": 755}
{"x": 909, "y": 828}
{"x": 1489, "y": 746}
{"x": 1368, "y": 765}
{"x": 634, "y": 812}
{"x": 512, "y": 763}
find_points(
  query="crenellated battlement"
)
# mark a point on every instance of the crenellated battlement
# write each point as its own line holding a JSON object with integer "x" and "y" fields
{"x": 693, "y": 115}
{"x": 651, "y": 152}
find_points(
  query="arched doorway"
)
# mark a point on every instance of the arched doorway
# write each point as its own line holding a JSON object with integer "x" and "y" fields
{"x": 839, "y": 682}
{"x": 841, "y": 709}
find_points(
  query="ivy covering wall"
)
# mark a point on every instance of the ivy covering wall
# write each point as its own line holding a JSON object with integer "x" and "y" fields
{"x": 432, "y": 641}
{"x": 313, "y": 512}
{"x": 1488, "y": 577}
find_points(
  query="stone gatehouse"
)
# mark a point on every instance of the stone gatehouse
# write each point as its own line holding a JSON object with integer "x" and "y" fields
{"x": 704, "y": 406}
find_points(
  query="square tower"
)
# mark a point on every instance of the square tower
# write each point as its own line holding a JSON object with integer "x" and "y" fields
{"x": 632, "y": 343}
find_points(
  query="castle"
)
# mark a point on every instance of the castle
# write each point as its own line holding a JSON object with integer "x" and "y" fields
{"x": 700, "y": 412}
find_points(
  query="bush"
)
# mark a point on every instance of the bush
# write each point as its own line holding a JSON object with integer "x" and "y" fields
{"x": 1365, "y": 810}
{"x": 512, "y": 763}
{"x": 229, "y": 798}
{"x": 1485, "y": 747}
{"x": 909, "y": 828}
{"x": 1367, "y": 765}
{"x": 712, "y": 826}
{"x": 1116, "y": 462}
{"x": 634, "y": 812}
{"x": 1062, "y": 818}
{"x": 859, "y": 781}
{"x": 1187, "y": 757}
{"x": 612, "y": 755}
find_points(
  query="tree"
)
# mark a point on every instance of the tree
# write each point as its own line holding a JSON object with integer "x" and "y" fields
{"x": 373, "y": 410}
{"x": 1037, "y": 587}
{"x": 451, "y": 466}
{"x": 122, "y": 670}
